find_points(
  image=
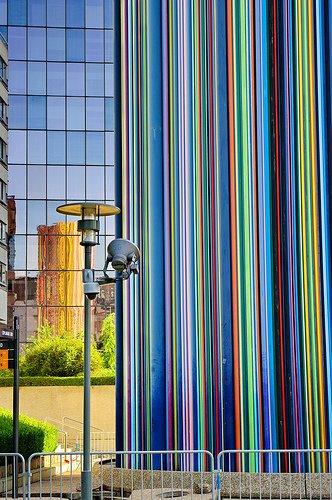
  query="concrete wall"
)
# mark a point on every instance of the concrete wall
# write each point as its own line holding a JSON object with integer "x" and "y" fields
{"x": 57, "y": 402}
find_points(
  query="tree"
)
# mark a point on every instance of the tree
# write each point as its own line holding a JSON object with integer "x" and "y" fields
{"x": 107, "y": 340}
{"x": 55, "y": 355}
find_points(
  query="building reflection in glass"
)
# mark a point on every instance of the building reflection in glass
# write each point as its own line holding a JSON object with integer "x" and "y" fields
{"x": 61, "y": 148}
{"x": 59, "y": 284}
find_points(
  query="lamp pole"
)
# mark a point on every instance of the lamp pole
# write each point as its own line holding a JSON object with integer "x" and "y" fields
{"x": 88, "y": 225}
{"x": 123, "y": 256}
{"x": 86, "y": 475}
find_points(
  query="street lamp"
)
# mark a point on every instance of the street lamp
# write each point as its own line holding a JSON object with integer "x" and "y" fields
{"x": 123, "y": 256}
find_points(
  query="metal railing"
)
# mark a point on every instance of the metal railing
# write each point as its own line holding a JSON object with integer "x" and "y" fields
{"x": 284, "y": 474}
{"x": 100, "y": 441}
{"x": 78, "y": 422}
{"x": 260, "y": 474}
{"x": 12, "y": 475}
{"x": 162, "y": 474}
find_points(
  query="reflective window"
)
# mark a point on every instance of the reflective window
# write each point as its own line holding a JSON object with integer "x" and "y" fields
{"x": 75, "y": 113}
{"x": 17, "y": 12}
{"x": 53, "y": 217}
{"x": 3, "y": 11}
{"x": 32, "y": 241}
{"x": 17, "y": 46}
{"x": 56, "y": 149}
{"x": 4, "y": 30}
{"x": 31, "y": 289}
{"x": 17, "y": 258}
{"x": 37, "y": 112}
{"x": 94, "y": 79}
{"x": 36, "y": 147}
{"x": 3, "y": 71}
{"x": 36, "y": 78}
{"x": 95, "y": 113}
{"x": 36, "y": 216}
{"x": 109, "y": 80}
{"x": 55, "y": 12}
{"x": 18, "y": 111}
{"x": 109, "y": 139}
{"x": 37, "y": 44}
{"x": 55, "y": 78}
{"x": 56, "y": 113}
{"x": 94, "y": 45}
{"x": 76, "y": 147}
{"x": 110, "y": 221}
{"x": 56, "y": 182}
{"x": 75, "y": 45}
{"x": 18, "y": 153}
{"x": 3, "y": 111}
{"x": 67, "y": 114}
{"x": 109, "y": 113}
{"x": 36, "y": 181}
{"x": 17, "y": 81}
{"x": 95, "y": 148}
{"x": 37, "y": 12}
{"x": 55, "y": 44}
{"x": 21, "y": 220}
{"x": 75, "y": 79}
{"x": 95, "y": 184}
{"x": 110, "y": 182}
{"x": 109, "y": 44}
{"x": 94, "y": 13}
{"x": 109, "y": 22}
{"x": 75, "y": 13}
{"x": 16, "y": 181}
{"x": 75, "y": 183}
{"x": 100, "y": 253}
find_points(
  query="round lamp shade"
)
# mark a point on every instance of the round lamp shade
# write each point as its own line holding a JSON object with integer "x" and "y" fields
{"x": 100, "y": 209}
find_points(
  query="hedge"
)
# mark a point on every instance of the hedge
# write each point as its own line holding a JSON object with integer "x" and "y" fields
{"x": 47, "y": 381}
{"x": 34, "y": 436}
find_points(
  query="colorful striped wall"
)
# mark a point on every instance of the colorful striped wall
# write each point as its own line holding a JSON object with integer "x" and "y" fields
{"x": 223, "y": 174}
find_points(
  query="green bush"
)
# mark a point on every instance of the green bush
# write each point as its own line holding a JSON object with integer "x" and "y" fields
{"x": 56, "y": 355}
{"x": 58, "y": 381}
{"x": 34, "y": 436}
{"x": 107, "y": 340}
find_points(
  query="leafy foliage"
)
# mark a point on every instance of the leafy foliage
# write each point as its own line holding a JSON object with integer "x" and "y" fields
{"x": 107, "y": 339}
{"x": 107, "y": 378}
{"x": 56, "y": 355}
{"x": 34, "y": 436}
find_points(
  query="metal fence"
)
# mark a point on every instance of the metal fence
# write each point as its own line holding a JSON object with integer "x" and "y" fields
{"x": 261, "y": 474}
{"x": 12, "y": 475}
{"x": 135, "y": 475}
{"x": 99, "y": 441}
{"x": 275, "y": 474}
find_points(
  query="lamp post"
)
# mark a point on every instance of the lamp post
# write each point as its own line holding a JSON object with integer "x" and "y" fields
{"x": 123, "y": 256}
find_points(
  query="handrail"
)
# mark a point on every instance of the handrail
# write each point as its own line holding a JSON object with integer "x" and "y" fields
{"x": 65, "y": 439}
{"x": 51, "y": 419}
{"x": 79, "y": 422}
{"x": 59, "y": 430}
{"x": 63, "y": 424}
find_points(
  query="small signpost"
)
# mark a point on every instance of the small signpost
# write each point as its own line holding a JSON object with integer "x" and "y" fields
{"x": 7, "y": 353}
{"x": 9, "y": 359}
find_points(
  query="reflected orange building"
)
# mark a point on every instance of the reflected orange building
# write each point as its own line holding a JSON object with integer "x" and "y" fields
{"x": 59, "y": 283}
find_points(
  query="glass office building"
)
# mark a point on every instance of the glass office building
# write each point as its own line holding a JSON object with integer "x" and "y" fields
{"x": 61, "y": 150}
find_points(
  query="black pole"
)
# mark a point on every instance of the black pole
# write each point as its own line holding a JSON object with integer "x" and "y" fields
{"x": 86, "y": 474}
{"x": 16, "y": 404}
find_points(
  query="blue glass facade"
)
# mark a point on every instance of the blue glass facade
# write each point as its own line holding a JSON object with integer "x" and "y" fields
{"x": 61, "y": 136}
